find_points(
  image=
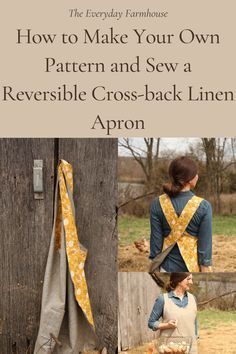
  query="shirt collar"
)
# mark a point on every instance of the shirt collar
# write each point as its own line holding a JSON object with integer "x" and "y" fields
{"x": 186, "y": 193}
{"x": 172, "y": 294}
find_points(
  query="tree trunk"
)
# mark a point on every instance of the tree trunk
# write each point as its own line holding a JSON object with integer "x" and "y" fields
{"x": 214, "y": 169}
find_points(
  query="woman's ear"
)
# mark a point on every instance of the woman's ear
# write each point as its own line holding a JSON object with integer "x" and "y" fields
{"x": 193, "y": 181}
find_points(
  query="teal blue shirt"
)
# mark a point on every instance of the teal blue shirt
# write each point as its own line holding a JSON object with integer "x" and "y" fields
{"x": 200, "y": 226}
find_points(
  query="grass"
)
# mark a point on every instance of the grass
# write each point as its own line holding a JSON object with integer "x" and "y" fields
{"x": 212, "y": 318}
{"x": 224, "y": 225}
{"x": 132, "y": 228}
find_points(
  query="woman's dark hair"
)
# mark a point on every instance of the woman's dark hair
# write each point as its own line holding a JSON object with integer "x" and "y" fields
{"x": 175, "y": 279}
{"x": 181, "y": 171}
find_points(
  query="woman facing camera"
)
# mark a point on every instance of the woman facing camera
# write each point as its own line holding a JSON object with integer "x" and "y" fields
{"x": 181, "y": 223}
{"x": 178, "y": 310}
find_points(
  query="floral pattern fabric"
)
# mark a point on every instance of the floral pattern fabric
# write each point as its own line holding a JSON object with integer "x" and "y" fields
{"x": 187, "y": 244}
{"x": 76, "y": 253}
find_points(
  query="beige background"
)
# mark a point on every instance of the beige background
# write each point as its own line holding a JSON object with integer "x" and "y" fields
{"x": 213, "y": 67}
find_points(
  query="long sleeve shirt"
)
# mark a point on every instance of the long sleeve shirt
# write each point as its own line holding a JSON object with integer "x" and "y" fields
{"x": 200, "y": 226}
{"x": 157, "y": 311}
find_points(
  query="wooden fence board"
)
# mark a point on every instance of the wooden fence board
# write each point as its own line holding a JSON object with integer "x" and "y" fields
{"x": 137, "y": 293}
{"x": 123, "y": 315}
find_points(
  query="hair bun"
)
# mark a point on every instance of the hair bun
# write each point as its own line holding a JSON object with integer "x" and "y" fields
{"x": 168, "y": 287}
{"x": 181, "y": 171}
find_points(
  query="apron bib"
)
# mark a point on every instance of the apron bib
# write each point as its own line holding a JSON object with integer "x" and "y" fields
{"x": 186, "y": 320}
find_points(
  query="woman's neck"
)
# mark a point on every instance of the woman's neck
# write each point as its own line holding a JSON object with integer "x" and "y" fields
{"x": 179, "y": 292}
{"x": 185, "y": 189}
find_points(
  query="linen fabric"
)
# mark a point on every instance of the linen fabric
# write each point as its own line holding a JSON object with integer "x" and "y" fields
{"x": 158, "y": 309}
{"x": 185, "y": 317}
{"x": 66, "y": 322}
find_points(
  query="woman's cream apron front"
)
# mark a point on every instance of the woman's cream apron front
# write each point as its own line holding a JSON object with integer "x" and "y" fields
{"x": 185, "y": 317}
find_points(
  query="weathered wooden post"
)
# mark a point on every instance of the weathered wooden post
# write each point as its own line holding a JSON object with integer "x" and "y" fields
{"x": 25, "y": 229}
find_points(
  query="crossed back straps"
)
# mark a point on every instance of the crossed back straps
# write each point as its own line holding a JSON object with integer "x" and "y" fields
{"x": 187, "y": 244}
{"x": 179, "y": 224}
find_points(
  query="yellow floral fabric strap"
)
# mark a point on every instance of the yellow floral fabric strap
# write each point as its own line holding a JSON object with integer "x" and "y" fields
{"x": 76, "y": 253}
{"x": 179, "y": 224}
{"x": 187, "y": 244}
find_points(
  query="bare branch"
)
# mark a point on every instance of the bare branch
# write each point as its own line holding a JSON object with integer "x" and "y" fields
{"x": 157, "y": 149}
{"x": 136, "y": 198}
{"x": 228, "y": 165}
{"x": 216, "y": 297}
{"x": 136, "y": 155}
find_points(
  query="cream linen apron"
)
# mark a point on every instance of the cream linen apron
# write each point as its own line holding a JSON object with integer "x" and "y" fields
{"x": 185, "y": 317}
{"x": 66, "y": 323}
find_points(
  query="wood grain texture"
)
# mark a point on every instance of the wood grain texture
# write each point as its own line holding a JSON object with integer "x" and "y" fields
{"x": 95, "y": 194}
{"x": 137, "y": 294}
{"x": 26, "y": 225}
{"x": 25, "y": 229}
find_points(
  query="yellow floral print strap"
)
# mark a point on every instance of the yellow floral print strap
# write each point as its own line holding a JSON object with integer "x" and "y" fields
{"x": 188, "y": 248}
{"x": 187, "y": 244}
{"x": 76, "y": 253}
{"x": 168, "y": 210}
{"x": 179, "y": 224}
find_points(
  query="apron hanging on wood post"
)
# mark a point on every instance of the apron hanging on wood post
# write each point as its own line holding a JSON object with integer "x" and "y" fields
{"x": 66, "y": 323}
